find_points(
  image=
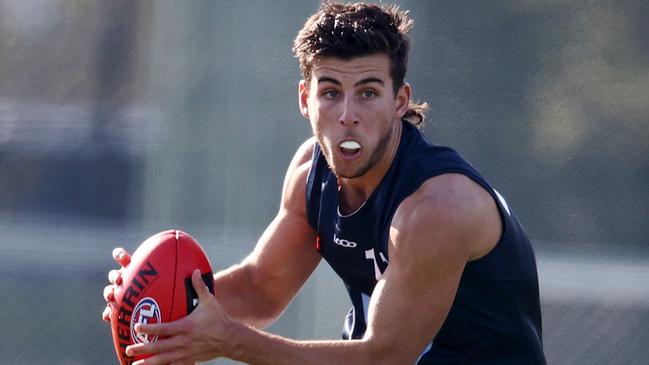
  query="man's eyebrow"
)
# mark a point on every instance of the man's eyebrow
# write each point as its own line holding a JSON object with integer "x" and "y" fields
{"x": 370, "y": 80}
{"x": 364, "y": 81}
{"x": 329, "y": 79}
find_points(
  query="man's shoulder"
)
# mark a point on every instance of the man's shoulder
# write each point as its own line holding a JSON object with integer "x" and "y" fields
{"x": 454, "y": 205}
{"x": 304, "y": 153}
{"x": 301, "y": 162}
{"x": 443, "y": 196}
{"x": 293, "y": 196}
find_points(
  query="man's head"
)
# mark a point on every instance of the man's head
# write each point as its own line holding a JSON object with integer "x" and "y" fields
{"x": 347, "y": 31}
{"x": 353, "y": 59}
{"x": 351, "y": 30}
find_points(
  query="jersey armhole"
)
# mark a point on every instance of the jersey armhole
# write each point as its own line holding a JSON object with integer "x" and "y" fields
{"x": 312, "y": 192}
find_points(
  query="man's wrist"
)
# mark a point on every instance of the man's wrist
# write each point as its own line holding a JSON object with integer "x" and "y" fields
{"x": 235, "y": 333}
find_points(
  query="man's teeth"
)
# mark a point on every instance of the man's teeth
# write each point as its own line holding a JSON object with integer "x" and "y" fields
{"x": 350, "y": 145}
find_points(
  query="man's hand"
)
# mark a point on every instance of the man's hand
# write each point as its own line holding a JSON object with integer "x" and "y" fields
{"x": 197, "y": 337}
{"x": 122, "y": 257}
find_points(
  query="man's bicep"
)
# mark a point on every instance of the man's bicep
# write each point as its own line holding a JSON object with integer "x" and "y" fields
{"x": 289, "y": 239}
{"x": 258, "y": 289}
{"x": 285, "y": 254}
{"x": 411, "y": 302}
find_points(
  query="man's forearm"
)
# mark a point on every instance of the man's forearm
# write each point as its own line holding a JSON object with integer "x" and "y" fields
{"x": 255, "y": 347}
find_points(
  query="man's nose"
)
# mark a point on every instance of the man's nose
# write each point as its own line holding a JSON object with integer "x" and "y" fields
{"x": 349, "y": 116}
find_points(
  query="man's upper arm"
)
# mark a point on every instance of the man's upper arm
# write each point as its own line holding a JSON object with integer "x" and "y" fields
{"x": 285, "y": 255}
{"x": 433, "y": 234}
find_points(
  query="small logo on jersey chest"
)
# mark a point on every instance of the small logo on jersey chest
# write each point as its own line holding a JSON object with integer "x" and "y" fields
{"x": 344, "y": 243}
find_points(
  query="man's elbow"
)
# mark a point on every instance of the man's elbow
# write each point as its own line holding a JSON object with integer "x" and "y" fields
{"x": 267, "y": 307}
{"x": 387, "y": 351}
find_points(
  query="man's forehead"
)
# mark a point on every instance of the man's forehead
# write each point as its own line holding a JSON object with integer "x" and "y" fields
{"x": 376, "y": 66}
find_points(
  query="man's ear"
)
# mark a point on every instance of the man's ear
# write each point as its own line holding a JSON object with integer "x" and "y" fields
{"x": 403, "y": 100}
{"x": 303, "y": 97}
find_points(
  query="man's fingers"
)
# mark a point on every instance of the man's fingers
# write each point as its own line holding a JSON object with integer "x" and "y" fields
{"x": 199, "y": 285}
{"x": 150, "y": 348}
{"x": 160, "y": 329}
{"x": 164, "y": 359}
{"x": 115, "y": 277}
{"x": 165, "y": 346}
{"x": 106, "y": 315}
{"x": 121, "y": 256}
{"x": 109, "y": 293}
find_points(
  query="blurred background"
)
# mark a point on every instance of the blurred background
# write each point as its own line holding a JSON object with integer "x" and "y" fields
{"x": 119, "y": 119}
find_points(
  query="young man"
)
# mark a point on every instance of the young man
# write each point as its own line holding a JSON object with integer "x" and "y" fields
{"x": 438, "y": 269}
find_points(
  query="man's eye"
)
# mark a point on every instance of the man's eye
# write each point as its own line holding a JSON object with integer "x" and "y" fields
{"x": 330, "y": 94}
{"x": 368, "y": 94}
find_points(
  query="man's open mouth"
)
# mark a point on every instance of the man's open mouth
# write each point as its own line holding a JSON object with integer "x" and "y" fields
{"x": 350, "y": 148}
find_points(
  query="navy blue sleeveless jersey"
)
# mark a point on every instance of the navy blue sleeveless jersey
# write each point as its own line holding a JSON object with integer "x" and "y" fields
{"x": 495, "y": 317}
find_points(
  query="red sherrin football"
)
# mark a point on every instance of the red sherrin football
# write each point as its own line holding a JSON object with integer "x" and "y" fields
{"x": 156, "y": 287}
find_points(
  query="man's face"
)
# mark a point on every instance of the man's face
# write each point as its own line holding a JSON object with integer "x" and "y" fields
{"x": 353, "y": 111}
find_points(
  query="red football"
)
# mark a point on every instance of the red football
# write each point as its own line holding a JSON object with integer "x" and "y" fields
{"x": 156, "y": 287}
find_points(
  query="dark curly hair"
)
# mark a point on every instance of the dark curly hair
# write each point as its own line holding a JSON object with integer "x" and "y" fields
{"x": 354, "y": 30}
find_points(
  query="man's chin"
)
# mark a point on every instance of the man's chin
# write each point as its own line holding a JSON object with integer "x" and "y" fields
{"x": 343, "y": 173}
{"x": 348, "y": 173}
{"x": 348, "y": 169}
